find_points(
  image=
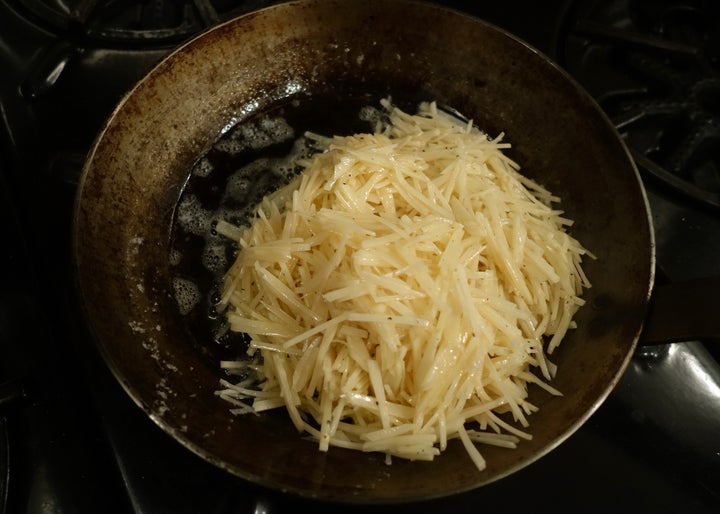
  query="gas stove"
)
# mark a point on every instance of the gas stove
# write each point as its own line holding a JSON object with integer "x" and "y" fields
{"x": 72, "y": 441}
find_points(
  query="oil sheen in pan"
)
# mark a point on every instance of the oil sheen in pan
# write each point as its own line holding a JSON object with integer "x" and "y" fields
{"x": 247, "y": 162}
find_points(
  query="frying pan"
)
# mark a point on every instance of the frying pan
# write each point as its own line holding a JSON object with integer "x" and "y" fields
{"x": 330, "y": 57}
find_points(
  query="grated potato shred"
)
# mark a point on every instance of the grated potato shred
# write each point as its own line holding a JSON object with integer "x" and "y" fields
{"x": 403, "y": 291}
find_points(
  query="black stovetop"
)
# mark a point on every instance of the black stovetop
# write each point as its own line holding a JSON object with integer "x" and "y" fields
{"x": 72, "y": 441}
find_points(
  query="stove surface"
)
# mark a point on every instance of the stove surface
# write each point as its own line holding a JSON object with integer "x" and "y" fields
{"x": 71, "y": 440}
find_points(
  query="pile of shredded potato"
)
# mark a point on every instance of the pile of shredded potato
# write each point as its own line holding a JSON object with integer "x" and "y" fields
{"x": 403, "y": 291}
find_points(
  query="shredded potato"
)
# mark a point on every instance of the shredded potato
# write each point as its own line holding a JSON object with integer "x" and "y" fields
{"x": 403, "y": 291}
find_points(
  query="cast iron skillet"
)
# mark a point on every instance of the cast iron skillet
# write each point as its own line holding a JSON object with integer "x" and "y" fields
{"x": 361, "y": 51}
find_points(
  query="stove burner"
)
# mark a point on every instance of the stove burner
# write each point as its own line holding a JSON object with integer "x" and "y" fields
{"x": 140, "y": 21}
{"x": 653, "y": 67}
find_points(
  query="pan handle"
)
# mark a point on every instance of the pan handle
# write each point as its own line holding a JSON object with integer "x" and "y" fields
{"x": 684, "y": 311}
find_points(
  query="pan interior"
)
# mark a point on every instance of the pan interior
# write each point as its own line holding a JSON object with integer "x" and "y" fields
{"x": 147, "y": 280}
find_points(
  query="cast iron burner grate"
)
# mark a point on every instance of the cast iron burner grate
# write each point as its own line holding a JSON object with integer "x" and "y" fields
{"x": 132, "y": 21}
{"x": 653, "y": 67}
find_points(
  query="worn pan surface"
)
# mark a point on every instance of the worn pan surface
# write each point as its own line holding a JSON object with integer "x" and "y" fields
{"x": 311, "y": 51}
